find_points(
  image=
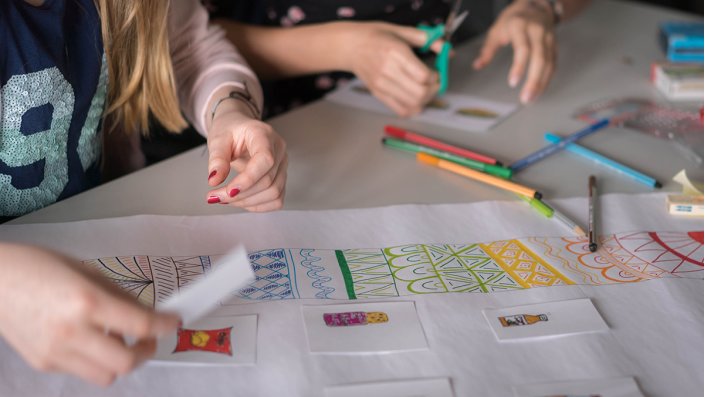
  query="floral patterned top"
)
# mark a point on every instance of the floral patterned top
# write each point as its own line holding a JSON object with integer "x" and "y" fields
{"x": 284, "y": 95}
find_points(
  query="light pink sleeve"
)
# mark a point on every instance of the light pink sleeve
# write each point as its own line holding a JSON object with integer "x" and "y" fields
{"x": 204, "y": 61}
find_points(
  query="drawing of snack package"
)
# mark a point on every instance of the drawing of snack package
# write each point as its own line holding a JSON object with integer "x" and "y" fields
{"x": 522, "y": 319}
{"x": 208, "y": 340}
{"x": 346, "y": 319}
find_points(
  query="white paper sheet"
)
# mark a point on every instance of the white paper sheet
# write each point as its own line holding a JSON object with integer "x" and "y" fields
{"x": 439, "y": 387}
{"x": 544, "y": 320}
{"x": 619, "y": 387}
{"x": 399, "y": 331}
{"x": 665, "y": 356}
{"x": 231, "y": 272}
{"x": 460, "y": 111}
{"x": 238, "y": 344}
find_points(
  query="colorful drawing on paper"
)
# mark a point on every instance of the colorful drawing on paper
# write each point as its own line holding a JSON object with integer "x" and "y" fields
{"x": 206, "y": 340}
{"x": 346, "y": 319}
{"x": 350, "y": 274}
{"x": 521, "y": 319}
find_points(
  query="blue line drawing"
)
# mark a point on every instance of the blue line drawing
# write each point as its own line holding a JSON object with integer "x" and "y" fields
{"x": 314, "y": 271}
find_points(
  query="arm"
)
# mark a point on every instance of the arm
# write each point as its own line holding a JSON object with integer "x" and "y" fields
{"x": 380, "y": 54}
{"x": 208, "y": 69}
{"x": 56, "y": 311}
{"x": 286, "y": 52}
{"x": 529, "y": 26}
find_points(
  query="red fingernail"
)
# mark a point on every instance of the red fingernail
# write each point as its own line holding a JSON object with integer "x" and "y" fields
{"x": 213, "y": 199}
{"x": 234, "y": 192}
{"x": 212, "y": 174}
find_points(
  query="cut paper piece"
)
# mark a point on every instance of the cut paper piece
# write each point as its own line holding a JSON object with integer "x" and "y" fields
{"x": 459, "y": 111}
{"x": 232, "y": 273}
{"x": 616, "y": 387}
{"x": 211, "y": 340}
{"x": 401, "y": 331}
{"x": 556, "y": 319}
{"x": 380, "y": 273}
{"x": 435, "y": 387}
{"x": 689, "y": 187}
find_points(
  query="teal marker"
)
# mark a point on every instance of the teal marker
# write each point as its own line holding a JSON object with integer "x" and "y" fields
{"x": 621, "y": 168}
{"x": 496, "y": 170}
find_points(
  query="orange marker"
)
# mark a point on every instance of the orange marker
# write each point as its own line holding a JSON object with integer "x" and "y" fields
{"x": 477, "y": 175}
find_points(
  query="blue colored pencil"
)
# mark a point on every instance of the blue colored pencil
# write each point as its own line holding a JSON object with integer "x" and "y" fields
{"x": 549, "y": 150}
{"x": 619, "y": 167}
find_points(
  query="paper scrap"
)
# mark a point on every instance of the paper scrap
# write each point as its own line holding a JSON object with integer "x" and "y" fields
{"x": 544, "y": 320}
{"x": 613, "y": 387}
{"x": 434, "y": 387}
{"x": 363, "y": 328}
{"x": 231, "y": 273}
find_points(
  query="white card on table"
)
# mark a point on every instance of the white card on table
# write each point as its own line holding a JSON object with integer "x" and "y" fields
{"x": 211, "y": 340}
{"x": 460, "y": 111}
{"x": 616, "y": 387}
{"x": 543, "y": 320}
{"x": 436, "y": 387}
{"x": 363, "y": 328}
{"x": 231, "y": 272}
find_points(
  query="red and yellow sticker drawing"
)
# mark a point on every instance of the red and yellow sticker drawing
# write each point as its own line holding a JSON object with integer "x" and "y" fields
{"x": 207, "y": 340}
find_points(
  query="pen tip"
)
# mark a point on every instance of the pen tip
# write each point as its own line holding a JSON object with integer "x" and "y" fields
{"x": 593, "y": 247}
{"x": 658, "y": 185}
{"x": 499, "y": 164}
{"x": 538, "y": 195}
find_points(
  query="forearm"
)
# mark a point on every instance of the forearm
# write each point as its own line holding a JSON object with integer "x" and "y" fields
{"x": 285, "y": 52}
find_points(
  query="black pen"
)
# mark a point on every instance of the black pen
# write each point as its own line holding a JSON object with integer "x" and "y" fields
{"x": 592, "y": 195}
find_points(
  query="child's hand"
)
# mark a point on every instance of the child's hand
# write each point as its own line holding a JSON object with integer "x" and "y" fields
{"x": 380, "y": 54}
{"x": 61, "y": 317}
{"x": 528, "y": 25}
{"x": 255, "y": 151}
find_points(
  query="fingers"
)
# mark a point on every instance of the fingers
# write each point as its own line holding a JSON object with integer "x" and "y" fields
{"x": 262, "y": 165}
{"x": 415, "y": 37}
{"x": 540, "y": 67}
{"x": 266, "y": 195}
{"x": 79, "y": 364}
{"x": 521, "y": 47}
{"x": 129, "y": 318}
{"x": 492, "y": 44}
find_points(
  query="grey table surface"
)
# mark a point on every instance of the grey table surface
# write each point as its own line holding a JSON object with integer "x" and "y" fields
{"x": 337, "y": 160}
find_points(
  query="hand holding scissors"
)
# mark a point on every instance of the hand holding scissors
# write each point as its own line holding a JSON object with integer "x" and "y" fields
{"x": 445, "y": 33}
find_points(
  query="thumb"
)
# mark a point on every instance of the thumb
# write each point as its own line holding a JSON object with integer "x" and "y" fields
{"x": 219, "y": 156}
{"x": 416, "y": 37}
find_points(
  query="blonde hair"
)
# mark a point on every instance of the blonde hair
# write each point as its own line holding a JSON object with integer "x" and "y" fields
{"x": 140, "y": 72}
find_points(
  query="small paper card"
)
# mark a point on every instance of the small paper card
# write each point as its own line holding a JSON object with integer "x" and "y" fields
{"x": 232, "y": 272}
{"x": 437, "y": 387}
{"x": 363, "y": 328}
{"x": 543, "y": 320}
{"x": 459, "y": 111}
{"x": 616, "y": 387}
{"x": 212, "y": 340}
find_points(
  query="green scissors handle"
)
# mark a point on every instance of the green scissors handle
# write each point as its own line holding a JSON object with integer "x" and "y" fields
{"x": 434, "y": 33}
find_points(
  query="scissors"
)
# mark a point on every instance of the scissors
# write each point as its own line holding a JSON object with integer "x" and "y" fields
{"x": 445, "y": 32}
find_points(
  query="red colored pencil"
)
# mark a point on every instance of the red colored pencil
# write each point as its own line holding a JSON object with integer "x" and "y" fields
{"x": 409, "y": 136}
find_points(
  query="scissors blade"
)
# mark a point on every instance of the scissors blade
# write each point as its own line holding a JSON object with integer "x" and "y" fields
{"x": 454, "y": 20}
{"x": 457, "y": 22}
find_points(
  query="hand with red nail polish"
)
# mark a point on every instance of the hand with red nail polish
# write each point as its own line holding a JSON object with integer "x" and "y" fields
{"x": 237, "y": 141}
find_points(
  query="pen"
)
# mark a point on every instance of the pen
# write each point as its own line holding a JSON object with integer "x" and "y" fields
{"x": 419, "y": 139}
{"x": 592, "y": 195}
{"x": 549, "y": 150}
{"x": 477, "y": 175}
{"x": 495, "y": 170}
{"x": 585, "y": 152}
{"x": 552, "y": 213}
